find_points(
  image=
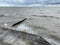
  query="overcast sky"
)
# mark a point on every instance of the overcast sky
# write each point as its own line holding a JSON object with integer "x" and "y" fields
{"x": 28, "y": 2}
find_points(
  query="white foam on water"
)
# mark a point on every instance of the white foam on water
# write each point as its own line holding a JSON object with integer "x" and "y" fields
{"x": 5, "y": 24}
{"x": 51, "y": 41}
{"x": 25, "y": 28}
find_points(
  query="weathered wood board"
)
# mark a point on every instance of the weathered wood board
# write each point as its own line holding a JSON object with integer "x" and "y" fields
{"x": 10, "y": 36}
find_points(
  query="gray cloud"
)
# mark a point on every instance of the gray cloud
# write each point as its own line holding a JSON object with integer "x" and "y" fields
{"x": 29, "y": 2}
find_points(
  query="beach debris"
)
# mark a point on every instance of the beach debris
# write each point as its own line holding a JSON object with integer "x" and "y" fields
{"x": 12, "y": 37}
{"x": 19, "y": 22}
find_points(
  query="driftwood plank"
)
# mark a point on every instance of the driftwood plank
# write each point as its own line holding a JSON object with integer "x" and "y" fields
{"x": 15, "y": 35}
{"x": 19, "y": 22}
